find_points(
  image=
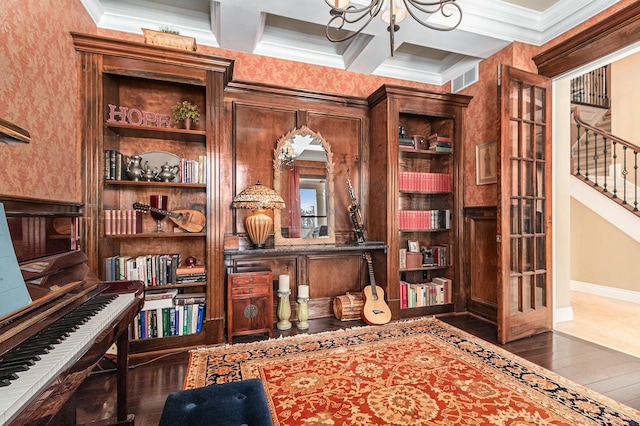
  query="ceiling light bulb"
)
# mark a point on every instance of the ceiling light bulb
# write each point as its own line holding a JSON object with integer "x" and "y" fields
{"x": 398, "y": 8}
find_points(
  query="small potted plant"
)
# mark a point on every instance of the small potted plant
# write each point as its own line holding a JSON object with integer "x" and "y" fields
{"x": 186, "y": 112}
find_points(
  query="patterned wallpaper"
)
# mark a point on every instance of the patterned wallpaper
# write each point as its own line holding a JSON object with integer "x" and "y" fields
{"x": 38, "y": 87}
{"x": 38, "y": 92}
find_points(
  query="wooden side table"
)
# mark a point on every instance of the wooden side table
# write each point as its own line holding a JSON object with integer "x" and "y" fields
{"x": 249, "y": 304}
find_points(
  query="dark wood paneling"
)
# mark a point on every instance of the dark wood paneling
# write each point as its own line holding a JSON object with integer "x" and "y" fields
{"x": 480, "y": 257}
{"x": 610, "y": 35}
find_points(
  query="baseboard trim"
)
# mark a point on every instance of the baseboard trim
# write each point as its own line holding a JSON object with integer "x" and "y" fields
{"x": 604, "y": 291}
{"x": 562, "y": 314}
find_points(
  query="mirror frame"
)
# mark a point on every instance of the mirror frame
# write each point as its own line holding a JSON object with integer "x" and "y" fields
{"x": 279, "y": 240}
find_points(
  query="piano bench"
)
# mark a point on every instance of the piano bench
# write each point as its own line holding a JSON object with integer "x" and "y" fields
{"x": 234, "y": 404}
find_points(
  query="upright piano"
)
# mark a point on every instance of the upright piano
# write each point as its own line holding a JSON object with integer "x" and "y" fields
{"x": 50, "y": 346}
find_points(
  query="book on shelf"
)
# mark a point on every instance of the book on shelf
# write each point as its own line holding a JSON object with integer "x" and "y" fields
{"x": 160, "y": 294}
{"x": 164, "y": 320}
{"x": 122, "y": 222}
{"x": 115, "y": 165}
{"x": 424, "y": 182}
{"x": 424, "y": 220}
{"x": 189, "y": 270}
{"x": 151, "y": 269}
{"x": 406, "y": 142}
{"x": 189, "y": 299}
{"x": 417, "y": 295}
{"x": 439, "y": 137}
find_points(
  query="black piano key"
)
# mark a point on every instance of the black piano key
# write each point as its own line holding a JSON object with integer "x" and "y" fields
{"x": 19, "y": 356}
{"x": 9, "y": 376}
{"x": 4, "y": 382}
{"x": 5, "y": 371}
{"x": 8, "y": 364}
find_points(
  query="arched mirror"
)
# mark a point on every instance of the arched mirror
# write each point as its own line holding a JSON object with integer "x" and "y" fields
{"x": 303, "y": 176}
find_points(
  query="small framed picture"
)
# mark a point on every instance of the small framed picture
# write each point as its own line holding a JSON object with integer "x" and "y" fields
{"x": 413, "y": 247}
{"x": 487, "y": 163}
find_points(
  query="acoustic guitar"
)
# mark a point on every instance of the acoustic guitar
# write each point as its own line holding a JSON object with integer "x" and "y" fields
{"x": 375, "y": 310}
{"x": 189, "y": 220}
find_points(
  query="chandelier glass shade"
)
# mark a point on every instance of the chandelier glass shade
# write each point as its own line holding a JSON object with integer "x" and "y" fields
{"x": 348, "y": 20}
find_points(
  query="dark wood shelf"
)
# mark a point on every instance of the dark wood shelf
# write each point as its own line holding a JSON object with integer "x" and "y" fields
{"x": 156, "y": 184}
{"x": 423, "y": 230}
{"x": 424, "y": 268}
{"x": 167, "y": 343}
{"x": 422, "y": 152}
{"x": 426, "y": 310}
{"x": 158, "y": 235}
{"x": 403, "y": 192}
{"x": 170, "y": 286}
{"x": 130, "y": 130}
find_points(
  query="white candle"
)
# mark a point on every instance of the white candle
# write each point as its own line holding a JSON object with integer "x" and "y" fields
{"x": 283, "y": 283}
{"x": 303, "y": 291}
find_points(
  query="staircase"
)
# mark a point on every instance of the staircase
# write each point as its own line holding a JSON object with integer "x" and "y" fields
{"x": 603, "y": 161}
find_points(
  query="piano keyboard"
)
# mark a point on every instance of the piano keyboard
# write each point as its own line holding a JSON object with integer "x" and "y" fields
{"x": 75, "y": 332}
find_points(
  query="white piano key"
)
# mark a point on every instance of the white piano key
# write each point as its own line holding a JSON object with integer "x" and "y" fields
{"x": 21, "y": 391}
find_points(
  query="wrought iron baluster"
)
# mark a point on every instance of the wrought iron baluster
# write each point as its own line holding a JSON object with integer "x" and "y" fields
{"x": 606, "y": 171}
{"x": 615, "y": 168}
{"x": 595, "y": 157}
{"x": 635, "y": 180}
{"x": 577, "y": 172}
{"x": 586, "y": 155}
{"x": 625, "y": 173}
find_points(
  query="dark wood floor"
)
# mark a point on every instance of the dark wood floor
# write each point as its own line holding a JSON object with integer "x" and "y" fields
{"x": 604, "y": 370}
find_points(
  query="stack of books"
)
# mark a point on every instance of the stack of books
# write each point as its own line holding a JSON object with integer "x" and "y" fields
{"x": 191, "y": 274}
{"x": 440, "y": 142}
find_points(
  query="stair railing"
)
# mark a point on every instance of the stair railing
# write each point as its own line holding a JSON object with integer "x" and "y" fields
{"x": 591, "y": 88}
{"x": 596, "y": 149}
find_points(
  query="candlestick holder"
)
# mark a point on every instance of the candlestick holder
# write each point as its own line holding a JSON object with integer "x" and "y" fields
{"x": 303, "y": 313}
{"x": 284, "y": 310}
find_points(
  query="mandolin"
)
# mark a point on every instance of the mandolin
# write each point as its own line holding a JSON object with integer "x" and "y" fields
{"x": 189, "y": 220}
{"x": 375, "y": 310}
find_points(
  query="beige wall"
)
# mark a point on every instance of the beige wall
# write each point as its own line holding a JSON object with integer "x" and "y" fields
{"x": 625, "y": 92}
{"x": 600, "y": 253}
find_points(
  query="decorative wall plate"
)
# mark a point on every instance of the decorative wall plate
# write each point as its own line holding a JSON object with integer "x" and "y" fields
{"x": 156, "y": 159}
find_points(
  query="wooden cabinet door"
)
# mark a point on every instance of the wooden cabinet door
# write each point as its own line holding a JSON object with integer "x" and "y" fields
{"x": 524, "y": 212}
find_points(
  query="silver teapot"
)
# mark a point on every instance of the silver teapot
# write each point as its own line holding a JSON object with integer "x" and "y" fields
{"x": 167, "y": 172}
{"x": 134, "y": 168}
{"x": 150, "y": 174}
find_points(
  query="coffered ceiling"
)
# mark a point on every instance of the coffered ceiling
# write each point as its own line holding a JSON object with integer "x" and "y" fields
{"x": 295, "y": 30}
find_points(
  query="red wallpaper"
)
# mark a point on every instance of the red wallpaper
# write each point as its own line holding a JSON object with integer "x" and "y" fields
{"x": 38, "y": 92}
{"x": 39, "y": 80}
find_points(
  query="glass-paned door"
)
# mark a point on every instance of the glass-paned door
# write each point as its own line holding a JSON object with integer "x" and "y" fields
{"x": 524, "y": 214}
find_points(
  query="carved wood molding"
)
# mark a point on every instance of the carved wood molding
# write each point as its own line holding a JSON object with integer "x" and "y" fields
{"x": 612, "y": 34}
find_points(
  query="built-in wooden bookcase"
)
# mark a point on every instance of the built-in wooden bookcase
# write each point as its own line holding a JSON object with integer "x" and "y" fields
{"x": 415, "y": 197}
{"x": 127, "y": 94}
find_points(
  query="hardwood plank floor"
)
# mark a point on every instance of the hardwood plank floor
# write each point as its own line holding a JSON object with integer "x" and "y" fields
{"x": 151, "y": 379}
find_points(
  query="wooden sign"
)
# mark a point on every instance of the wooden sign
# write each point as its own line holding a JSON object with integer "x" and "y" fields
{"x": 137, "y": 117}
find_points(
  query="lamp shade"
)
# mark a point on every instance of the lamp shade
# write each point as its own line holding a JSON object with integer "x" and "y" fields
{"x": 258, "y": 197}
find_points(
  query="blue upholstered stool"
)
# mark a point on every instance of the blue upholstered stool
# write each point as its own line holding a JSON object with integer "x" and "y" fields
{"x": 232, "y": 404}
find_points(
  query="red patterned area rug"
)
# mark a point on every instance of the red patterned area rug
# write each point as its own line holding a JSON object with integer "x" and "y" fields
{"x": 421, "y": 372}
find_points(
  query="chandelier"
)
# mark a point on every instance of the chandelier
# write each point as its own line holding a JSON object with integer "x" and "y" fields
{"x": 393, "y": 12}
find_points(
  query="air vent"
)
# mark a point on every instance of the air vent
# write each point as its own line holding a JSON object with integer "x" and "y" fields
{"x": 465, "y": 80}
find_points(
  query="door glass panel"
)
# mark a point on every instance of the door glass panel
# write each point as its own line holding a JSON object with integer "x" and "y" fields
{"x": 541, "y": 291}
{"x": 514, "y": 134}
{"x": 515, "y": 177}
{"x": 527, "y": 140}
{"x": 526, "y": 217}
{"x": 540, "y": 229}
{"x": 526, "y": 102}
{"x": 527, "y": 254}
{"x": 515, "y": 216}
{"x": 540, "y": 179}
{"x": 539, "y": 142}
{"x": 539, "y": 104}
{"x": 515, "y": 255}
{"x": 527, "y": 290}
{"x": 540, "y": 257}
{"x": 528, "y": 179}
{"x": 514, "y": 97}
{"x": 514, "y": 291}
